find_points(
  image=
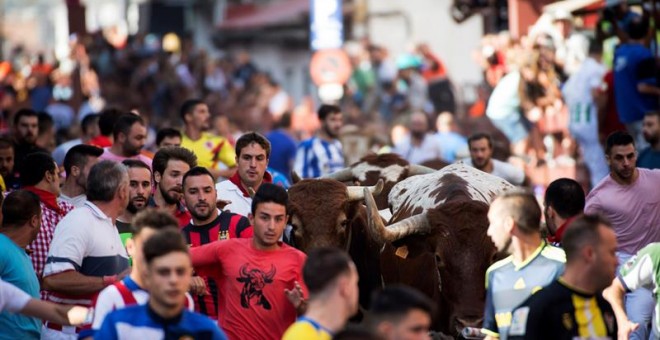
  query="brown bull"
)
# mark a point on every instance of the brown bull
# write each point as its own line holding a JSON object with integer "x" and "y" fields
{"x": 438, "y": 233}
{"x": 327, "y": 213}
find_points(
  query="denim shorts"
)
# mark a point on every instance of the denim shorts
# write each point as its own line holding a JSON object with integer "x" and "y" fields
{"x": 515, "y": 127}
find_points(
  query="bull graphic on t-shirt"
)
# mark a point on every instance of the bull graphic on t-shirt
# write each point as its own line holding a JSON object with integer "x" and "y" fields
{"x": 254, "y": 280}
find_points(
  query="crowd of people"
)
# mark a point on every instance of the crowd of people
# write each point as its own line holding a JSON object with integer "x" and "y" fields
{"x": 131, "y": 210}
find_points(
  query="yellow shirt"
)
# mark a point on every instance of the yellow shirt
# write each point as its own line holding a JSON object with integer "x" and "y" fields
{"x": 304, "y": 330}
{"x": 3, "y": 186}
{"x": 212, "y": 151}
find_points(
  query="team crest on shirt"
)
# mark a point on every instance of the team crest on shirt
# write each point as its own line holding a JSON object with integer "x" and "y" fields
{"x": 254, "y": 281}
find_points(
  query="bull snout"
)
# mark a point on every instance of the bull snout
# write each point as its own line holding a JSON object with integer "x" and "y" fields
{"x": 467, "y": 322}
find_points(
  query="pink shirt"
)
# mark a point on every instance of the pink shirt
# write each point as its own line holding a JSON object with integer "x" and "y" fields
{"x": 633, "y": 210}
{"x": 107, "y": 155}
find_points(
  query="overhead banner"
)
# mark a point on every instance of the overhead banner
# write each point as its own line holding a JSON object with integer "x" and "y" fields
{"x": 326, "y": 24}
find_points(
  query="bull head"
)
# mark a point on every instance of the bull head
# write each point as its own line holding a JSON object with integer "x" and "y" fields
{"x": 380, "y": 233}
{"x": 346, "y": 174}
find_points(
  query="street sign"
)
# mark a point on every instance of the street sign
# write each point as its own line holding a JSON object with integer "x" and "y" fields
{"x": 330, "y": 67}
{"x": 326, "y": 24}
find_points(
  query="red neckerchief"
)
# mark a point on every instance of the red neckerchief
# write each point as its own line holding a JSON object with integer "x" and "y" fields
{"x": 100, "y": 141}
{"x": 47, "y": 197}
{"x": 560, "y": 231}
{"x": 237, "y": 181}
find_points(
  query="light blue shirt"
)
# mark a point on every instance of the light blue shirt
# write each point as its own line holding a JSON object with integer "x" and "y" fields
{"x": 16, "y": 268}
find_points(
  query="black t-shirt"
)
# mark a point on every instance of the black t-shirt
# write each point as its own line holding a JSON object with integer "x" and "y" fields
{"x": 558, "y": 312}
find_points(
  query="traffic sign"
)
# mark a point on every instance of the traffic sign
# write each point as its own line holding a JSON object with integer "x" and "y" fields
{"x": 330, "y": 67}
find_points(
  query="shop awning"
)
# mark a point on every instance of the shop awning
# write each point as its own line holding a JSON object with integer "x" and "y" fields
{"x": 272, "y": 14}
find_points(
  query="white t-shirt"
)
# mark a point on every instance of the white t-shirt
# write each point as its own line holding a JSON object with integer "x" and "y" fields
{"x": 504, "y": 170}
{"x": 429, "y": 149}
{"x": 578, "y": 97}
{"x": 12, "y": 299}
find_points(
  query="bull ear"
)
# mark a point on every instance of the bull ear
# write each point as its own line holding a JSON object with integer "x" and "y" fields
{"x": 295, "y": 178}
{"x": 356, "y": 193}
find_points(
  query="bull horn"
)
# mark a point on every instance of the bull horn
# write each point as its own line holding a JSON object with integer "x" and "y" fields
{"x": 343, "y": 175}
{"x": 251, "y": 192}
{"x": 381, "y": 234}
{"x": 356, "y": 193}
{"x": 295, "y": 178}
{"x": 415, "y": 169}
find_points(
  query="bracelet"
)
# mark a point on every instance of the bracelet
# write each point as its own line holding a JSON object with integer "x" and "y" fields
{"x": 108, "y": 280}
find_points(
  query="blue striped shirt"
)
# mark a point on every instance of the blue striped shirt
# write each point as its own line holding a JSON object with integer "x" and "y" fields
{"x": 316, "y": 157}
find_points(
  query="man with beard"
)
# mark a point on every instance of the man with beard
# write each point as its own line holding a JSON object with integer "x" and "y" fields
{"x": 139, "y": 193}
{"x": 130, "y": 134}
{"x": 213, "y": 152}
{"x": 169, "y": 166}
{"x": 9, "y": 180}
{"x": 252, "y": 155}
{"x": 419, "y": 145}
{"x": 649, "y": 158}
{"x": 629, "y": 198}
{"x": 515, "y": 228}
{"x": 77, "y": 163}
{"x": 25, "y": 131}
{"x": 208, "y": 224}
{"x": 322, "y": 155}
{"x": 481, "y": 153}
{"x": 573, "y": 306}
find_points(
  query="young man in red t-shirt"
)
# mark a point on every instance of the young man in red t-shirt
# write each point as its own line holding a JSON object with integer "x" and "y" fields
{"x": 260, "y": 285}
{"x": 208, "y": 224}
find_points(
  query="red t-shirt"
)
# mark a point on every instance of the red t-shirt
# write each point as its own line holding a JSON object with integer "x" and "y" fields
{"x": 251, "y": 283}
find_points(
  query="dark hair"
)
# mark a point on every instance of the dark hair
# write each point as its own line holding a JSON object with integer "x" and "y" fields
{"x": 285, "y": 121}
{"x": 188, "y": 107}
{"x": 522, "y": 207}
{"x": 252, "y": 137}
{"x": 19, "y": 206}
{"x": 270, "y": 193}
{"x": 168, "y": 240}
{"x": 154, "y": 219}
{"x": 323, "y": 266}
{"x": 582, "y": 231}
{"x": 34, "y": 168}
{"x": 325, "y": 110}
{"x": 77, "y": 156}
{"x": 164, "y": 155}
{"x": 107, "y": 120}
{"x": 135, "y": 163}
{"x": 618, "y": 138}
{"x": 566, "y": 197}
{"x": 167, "y": 133}
{"x": 89, "y": 120}
{"x": 393, "y": 303}
{"x": 197, "y": 171}
{"x": 46, "y": 122}
{"x": 124, "y": 124}
{"x": 479, "y": 136}
{"x": 638, "y": 28}
{"x": 6, "y": 144}
{"x": 652, "y": 114}
{"x": 24, "y": 113}
{"x": 104, "y": 180}
{"x": 357, "y": 332}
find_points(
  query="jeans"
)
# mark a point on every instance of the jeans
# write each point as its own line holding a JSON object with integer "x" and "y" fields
{"x": 639, "y": 306}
